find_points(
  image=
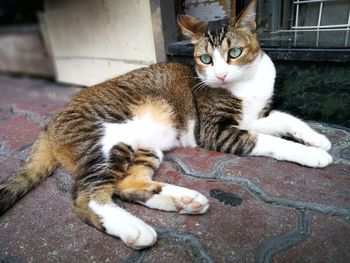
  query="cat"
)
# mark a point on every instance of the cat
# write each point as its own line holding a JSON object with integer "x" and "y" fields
{"x": 111, "y": 136}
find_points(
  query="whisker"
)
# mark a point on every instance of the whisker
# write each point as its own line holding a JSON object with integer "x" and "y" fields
{"x": 199, "y": 86}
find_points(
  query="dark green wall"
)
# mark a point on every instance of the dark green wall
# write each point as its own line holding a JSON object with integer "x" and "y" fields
{"x": 314, "y": 90}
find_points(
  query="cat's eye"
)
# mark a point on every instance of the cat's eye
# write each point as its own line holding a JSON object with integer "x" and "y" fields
{"x": 206, "y": 59}
{"x": 235, "y": 52}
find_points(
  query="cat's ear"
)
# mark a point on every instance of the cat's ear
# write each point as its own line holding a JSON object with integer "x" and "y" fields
{"x": 246, "y": 19}
{"x": 191, "y": 27}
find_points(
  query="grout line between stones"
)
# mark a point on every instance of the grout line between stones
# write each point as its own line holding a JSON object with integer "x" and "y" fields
{"x": 213, "y": 174}
{"x": 35, "y": 117}
{"x": 257, "y": 191}
{"x": 270, "y": 248}
{"x": 191, "y": 243}
{"x": 20, "y": 153}
{"x": 284, "y": 202}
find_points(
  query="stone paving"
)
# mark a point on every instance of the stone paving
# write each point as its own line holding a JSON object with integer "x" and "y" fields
{"x": 261, "y": 210}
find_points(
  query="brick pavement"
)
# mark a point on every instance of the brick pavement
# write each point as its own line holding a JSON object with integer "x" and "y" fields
{"x": 261, "y": 210}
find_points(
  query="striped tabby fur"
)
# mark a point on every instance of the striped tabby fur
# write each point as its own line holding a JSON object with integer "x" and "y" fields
{"x": 110, "y": 137}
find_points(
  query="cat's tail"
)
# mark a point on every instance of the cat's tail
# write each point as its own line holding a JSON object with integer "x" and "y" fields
{"x": 39, "y": 165}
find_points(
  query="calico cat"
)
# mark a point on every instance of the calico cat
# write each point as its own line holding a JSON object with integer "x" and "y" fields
{"x": 111, "y": 136}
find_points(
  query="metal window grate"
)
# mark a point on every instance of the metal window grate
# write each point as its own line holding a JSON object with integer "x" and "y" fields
{"x": 316, "y": 27}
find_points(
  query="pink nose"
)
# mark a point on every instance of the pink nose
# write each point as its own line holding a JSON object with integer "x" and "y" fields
{"x": 221, "y": 76}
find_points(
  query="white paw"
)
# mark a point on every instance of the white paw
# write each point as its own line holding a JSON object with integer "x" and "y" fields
{"x": 315, "y": 139}
{"x": 315, "y": 157}
{"x": 136, "y": 234}
{"x": 176, "y": 198}
{"x": 131, "y": 230}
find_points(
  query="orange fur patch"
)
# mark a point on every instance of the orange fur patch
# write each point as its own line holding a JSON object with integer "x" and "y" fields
{"x": 39, "y": 165}
{"x": 65, "y": 154}
{"x": 138, "y": 188}
{"x": 160, "y": 111}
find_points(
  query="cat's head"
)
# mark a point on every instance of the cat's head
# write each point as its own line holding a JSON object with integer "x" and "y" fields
{"x": 224, "y": 50}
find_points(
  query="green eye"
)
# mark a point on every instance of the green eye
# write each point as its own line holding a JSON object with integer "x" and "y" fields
{"x": 235, "y": 52}
{"x": 206, "y": 59}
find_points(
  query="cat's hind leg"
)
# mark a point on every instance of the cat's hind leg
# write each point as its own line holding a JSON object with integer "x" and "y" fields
{"x": 92, "y": 199}
{"x": 138, "y": 186}
{"x": 97, "y": 209}
{"x": 282, "y": 124}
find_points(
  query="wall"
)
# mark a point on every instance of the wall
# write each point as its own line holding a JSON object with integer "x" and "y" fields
{"x": 22, "y": 51}
{"x": 314, "y": 90}
{"x": 92, "y": 41}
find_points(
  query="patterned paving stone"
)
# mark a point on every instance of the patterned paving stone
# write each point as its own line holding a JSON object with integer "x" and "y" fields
{"x": 43, "y": 228}
{"x": 17, "y": 132}
{"x": 260, "y": 210}
{"x": 4, "y": 114}
{"x": 199, "y": 161}
{"x": 41, "y": 97}
{"x": 328, "y": 241}
{"x": 329, "y": 186}
{"x": 224, "y": 228}
{"x": 8, "y": 166}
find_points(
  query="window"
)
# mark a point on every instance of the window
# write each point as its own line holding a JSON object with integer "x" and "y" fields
{"x": 304, "y": 23}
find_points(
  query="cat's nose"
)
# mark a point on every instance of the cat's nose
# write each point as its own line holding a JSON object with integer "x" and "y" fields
{"x": 221, "y": 76}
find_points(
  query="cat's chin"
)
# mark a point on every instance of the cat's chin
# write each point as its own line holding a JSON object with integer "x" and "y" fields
{"x": 217, "y": 85}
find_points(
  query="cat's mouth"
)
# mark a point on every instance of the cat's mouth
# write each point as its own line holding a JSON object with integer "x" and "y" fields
{"x": 219, "y": 83}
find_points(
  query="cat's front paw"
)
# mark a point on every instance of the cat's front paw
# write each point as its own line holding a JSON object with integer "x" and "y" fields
{"x": 317, "y": 140}
{"x": 176, "y": 198}
{"x": 316, "y": 157}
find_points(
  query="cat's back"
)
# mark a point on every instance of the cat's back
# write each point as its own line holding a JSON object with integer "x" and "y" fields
{"x": 161, "y": 78}
{"x": 170, "y": 81}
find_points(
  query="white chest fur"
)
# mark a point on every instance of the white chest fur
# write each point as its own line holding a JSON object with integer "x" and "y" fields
{"x": 255, "y": 90}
